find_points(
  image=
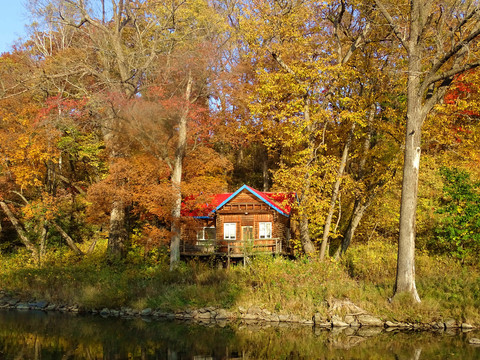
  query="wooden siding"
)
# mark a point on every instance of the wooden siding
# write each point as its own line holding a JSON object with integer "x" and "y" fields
{"x": 191, "y": 226}
{"x": 245, "y": 210}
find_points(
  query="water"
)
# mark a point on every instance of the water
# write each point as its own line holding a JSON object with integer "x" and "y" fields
{"x": 38, "y": 335}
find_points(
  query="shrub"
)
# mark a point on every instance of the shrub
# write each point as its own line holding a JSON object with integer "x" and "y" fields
{"x": 458, "y": 231}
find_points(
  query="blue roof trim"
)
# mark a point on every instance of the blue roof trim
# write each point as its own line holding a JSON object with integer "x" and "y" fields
{"x": 243, "y": 187}
{"x": 230, "y": 197}
{"x": 203, "y": 217}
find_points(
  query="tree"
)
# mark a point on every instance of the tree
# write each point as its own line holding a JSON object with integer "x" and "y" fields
{"x": 309, "y": 98}
{"x": 30, "y": 192}
{"x": 440, "y": 41}
{"x": 111, "y": 54}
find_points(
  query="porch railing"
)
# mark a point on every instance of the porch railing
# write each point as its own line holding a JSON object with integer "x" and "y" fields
{"x": 232, "y": 247}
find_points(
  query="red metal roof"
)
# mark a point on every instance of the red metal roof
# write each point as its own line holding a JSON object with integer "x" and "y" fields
{"x": 281, "y": 202}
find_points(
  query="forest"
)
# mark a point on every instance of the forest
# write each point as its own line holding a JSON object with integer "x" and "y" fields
{"x": 112, "y": 113}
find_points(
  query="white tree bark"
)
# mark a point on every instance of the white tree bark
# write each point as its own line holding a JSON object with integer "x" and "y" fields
{"x": 177, "y": 177}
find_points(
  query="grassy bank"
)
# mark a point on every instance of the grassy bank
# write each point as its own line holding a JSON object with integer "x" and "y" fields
{"x": 303, "y": 287}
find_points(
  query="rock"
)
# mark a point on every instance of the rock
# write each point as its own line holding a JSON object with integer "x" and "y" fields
{"x": 451, "y": 323}
{"x": 204, "y": 315}
{"x": 222, "y": 314}
{"x": 104, "y": 312}
{"x": 320, "y": 321}
{"x": 349, "y": 319}
{"x": 179, "y": 316}
{"x": 295, "y": 319}
{"x": 40, "y": 305}
{"x": 467, "y": 326}
{"x": 249, "y": 317}
{"x": 438, "y": 325}
{"x": 324, "y": 324}
{"x": 474, "y": 341}
{"x": 318, "y": 318}
{"x": 242, "y": 310}
{"x": 115, "y": 313}
{"x": 338, "y": 322}
{"x": 50, "y": 307}
{"x": 254, "y": 310}
{"x": 344, "y": 306}
{"x": 391, "y": 324}
{"x": 273, "y": 318}
{"x": 283, "y": 318}
{"x": 266, "y": 312}
{"x": 13, "y": 302}
{"x": 352, "y": 321}
{"x": 22, "y": 306}
{"x": 369, "y": 320}
{"x": 146, "y": 312}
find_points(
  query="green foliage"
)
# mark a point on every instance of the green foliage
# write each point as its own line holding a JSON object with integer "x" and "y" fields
{"x": 458, "y": 231}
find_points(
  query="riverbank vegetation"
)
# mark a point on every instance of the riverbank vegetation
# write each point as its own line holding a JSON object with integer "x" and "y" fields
{"x": 300, "y": 287}
{"x": 114, "y": 120}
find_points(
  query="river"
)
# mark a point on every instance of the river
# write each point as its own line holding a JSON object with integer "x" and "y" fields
{"x": 47, "y": 336}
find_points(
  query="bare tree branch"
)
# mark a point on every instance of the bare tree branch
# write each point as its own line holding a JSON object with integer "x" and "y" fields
{"x": 391, "y": 23}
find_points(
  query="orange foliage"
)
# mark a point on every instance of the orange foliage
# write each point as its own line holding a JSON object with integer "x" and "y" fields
{"x": 26, "y": 145}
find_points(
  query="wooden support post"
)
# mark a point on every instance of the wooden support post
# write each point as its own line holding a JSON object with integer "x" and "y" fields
{"x": 228, "y": 256}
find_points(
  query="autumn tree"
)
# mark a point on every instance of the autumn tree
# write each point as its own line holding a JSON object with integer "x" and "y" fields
{"x": 110, "y": 53}
{"x": 307, "y": 100}
{"x": 31, "y": 192}
{"x": 439, "y": 40}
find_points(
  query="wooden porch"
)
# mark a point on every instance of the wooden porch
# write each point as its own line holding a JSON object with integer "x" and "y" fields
{"x": 231, "y": 249}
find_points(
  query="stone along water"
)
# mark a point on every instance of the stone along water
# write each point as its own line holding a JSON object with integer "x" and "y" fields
{"x": 46, "y": 336}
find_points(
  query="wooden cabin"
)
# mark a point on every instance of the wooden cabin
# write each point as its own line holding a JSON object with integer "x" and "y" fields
{"x": 238, "y": 224}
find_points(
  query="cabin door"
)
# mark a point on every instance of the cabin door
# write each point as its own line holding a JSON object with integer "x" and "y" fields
{"x": 247, "y": 233}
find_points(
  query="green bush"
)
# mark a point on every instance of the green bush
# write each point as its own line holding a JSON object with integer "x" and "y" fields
{"x": 458, "y": 230}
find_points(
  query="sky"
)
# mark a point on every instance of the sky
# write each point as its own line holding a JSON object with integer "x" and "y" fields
{"x": 12, "y": 22}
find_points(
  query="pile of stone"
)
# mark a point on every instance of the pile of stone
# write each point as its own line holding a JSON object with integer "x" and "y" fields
{"x": 340, "y": 314}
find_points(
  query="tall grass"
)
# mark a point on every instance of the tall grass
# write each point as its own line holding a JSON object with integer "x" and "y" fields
{"x": 303, "y": 286}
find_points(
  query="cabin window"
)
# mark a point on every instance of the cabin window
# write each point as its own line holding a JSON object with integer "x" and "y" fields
{"x": 207, "y": 233}
{"x": 230, "y": 231}
{"x": 265, "y": 230}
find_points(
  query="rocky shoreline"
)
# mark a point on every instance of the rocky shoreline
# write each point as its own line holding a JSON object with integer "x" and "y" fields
{"x": 354, "y": 317}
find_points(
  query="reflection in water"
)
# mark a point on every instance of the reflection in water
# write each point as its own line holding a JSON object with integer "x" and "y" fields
{"x": 38, "y": 335}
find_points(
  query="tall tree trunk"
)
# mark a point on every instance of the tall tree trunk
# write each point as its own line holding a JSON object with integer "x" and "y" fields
{"x": 71, "y": 244}
{"x": 265, "y": 174}
{"x": 177, "y": 178}
{"x": 357, "y": 215}
{"x": 118, "y": 235}
{"x": 336, "y": 188}
{"x": 21, "y": 233}
{"x": 307, "y": 244}
{"x": 405, "y": 279}
{"x": 359, "y": 206}
{"x": 43, "y": 242}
